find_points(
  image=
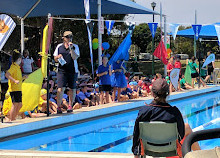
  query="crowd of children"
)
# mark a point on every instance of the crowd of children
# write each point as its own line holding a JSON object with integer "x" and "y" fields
{"x": 112, "y": 84}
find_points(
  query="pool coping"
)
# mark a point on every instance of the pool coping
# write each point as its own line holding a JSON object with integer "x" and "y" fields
{"x": 24, "y": 126}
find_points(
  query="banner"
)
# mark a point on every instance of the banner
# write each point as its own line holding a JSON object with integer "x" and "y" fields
{"x": 187, "y": 75}
{"x": 87, "y": 13}
{"x": 174, "y": 77}
{"x": 209, "y": 59}
{"x": 217, "y": 28}
{"x": 153, "y": 28}
{"x": 197, "y": 29}
{"x": 109, "y": 24}
{"x": 174, "y": 29}
{"x": 7, "y": 25}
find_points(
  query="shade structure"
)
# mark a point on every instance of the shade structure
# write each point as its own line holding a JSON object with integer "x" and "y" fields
{"x": 207, "y": 31}
{"x": 70, "y": 7}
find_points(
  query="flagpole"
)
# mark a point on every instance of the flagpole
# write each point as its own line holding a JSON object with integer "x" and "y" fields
{"x": 194, "y": 35}
{"x": 153, "y": 4}
{"x": 99, "y": 33}
{"x": 165, "y": 42}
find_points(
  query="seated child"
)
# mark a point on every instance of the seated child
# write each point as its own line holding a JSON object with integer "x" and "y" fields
{"x": 96, "y": 94}
{"x": 43, "y": 103}
{"x": 184, "y": 84}
{"x": 145, "y": 89}
{"x": 135, "y": 90}
{"x": 78, "y": 103}
{"x": 86, "y": 97}
{"x": 125, "y": 94}
{"x": 33, "y": 113}
{"x": 167, "y": 79}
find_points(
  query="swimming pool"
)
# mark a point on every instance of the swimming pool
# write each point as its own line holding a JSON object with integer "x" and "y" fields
{"x": 114, "y": 133}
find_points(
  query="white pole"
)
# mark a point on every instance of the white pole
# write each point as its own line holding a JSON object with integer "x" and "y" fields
{"x": 195, "y": 36}
{"x": 165, "y": 41}
{"x": 22, "y": 35}
{"x": 99, "y": 33}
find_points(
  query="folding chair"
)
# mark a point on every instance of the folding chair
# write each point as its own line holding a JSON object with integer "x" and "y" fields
{"x": 159, "y": 138}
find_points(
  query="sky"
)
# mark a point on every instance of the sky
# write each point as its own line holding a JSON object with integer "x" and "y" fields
{"x": 182, "y": 11}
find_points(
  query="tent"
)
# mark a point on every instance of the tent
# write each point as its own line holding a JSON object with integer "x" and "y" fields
{"x": 70, "y": 7}
{"x": 207, "y": 31}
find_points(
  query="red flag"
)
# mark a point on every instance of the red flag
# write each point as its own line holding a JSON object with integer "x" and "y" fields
{"x": 161, "y": 52}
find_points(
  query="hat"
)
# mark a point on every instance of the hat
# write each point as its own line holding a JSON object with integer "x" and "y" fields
{"x": 67, "y": 33}
{"x": 160, "y": 87}
{"x": 167, "y": 77}
{"x": 106, "y": 55}
{"x": 133, "y": 83}
{"x": 43, "y": 92}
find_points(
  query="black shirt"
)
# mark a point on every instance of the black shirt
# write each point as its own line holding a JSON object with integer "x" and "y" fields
{"x": 69, "y": 66}
{"x": 157, "y": 112}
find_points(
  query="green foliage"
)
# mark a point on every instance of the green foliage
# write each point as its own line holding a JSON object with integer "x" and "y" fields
{"x": 143, "y": 39}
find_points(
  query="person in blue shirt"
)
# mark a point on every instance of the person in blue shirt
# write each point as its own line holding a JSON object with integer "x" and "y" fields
{"x": 119, "y": 80}
{"x": 104, "y": 73}
{"x": 85, "y": 97}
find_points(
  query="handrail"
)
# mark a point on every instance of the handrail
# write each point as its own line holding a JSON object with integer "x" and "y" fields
{"x": 197, "y": 136}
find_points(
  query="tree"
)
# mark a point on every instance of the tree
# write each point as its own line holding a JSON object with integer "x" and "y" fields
{"x": 143, "y": 39}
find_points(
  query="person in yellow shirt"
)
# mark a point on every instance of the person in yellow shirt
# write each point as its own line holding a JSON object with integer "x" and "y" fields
{"x": 42, "y": 106}
{"x": 14, "y": 76}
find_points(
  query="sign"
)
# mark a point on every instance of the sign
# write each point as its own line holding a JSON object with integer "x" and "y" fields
{"x": 209, "y": 59}
{"x": 167, "y": 41}
{"x": 101, "y": 27}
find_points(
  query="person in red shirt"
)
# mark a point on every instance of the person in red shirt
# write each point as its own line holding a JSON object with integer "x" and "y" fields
{"x": 178, "y": 66}
{"x": 170, "y": 66}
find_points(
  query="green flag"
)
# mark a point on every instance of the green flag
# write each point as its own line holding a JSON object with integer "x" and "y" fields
{"x": 188, "y": 75}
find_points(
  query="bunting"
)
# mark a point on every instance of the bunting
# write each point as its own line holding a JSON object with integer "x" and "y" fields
{"x": 174, "y": 29}
{"x": 109, "y": 25}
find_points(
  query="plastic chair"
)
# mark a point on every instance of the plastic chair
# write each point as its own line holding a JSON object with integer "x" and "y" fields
{"x": 159, "y": 138}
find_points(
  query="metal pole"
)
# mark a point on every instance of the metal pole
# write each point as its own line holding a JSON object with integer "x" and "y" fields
{"x": 194, "y": 35}
{"x": 48, "y": 73}
{"x": 165, "y": 42}
{"x": 200, "y": 40}
{"x": 153, "y": 50}
{"x": 22, "y": 35}
{"x": 99, "y": 33}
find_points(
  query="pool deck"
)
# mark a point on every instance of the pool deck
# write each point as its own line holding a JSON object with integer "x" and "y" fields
{"x": 8, "y": 130}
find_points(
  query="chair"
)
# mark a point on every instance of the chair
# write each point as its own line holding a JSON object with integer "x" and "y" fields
{"x": 198, "y": 136}
{"x": 159, "y": 138}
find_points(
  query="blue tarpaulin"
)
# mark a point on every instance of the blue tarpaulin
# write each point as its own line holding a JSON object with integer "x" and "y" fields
{"x": 70, "y": 7}
{"x": 122, "y": 52}
{"x": 207, "y": 31}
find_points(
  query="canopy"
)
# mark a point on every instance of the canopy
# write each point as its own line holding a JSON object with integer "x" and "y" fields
{"x": 70, "y": 7}
{"x": 207, "y": 31}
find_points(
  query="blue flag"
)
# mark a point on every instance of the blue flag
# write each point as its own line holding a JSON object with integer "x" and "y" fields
{"x": 174, "y": 30}
{"x": 122, "y": 52}
{"x": 109, "y": 24}
{"x": 197, "y": 29}
{"x": 153, "y": 28}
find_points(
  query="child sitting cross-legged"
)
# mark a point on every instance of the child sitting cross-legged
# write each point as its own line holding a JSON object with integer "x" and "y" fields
{"x": 135, "y": 90}
{"x": 85, "y": 97}
{"x": 42, "y": 107}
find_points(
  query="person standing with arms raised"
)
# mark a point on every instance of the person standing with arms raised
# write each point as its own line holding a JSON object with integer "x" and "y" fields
{"x": 66, "y": 54}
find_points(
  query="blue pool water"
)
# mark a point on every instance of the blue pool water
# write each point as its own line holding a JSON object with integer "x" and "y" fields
{"x": 114, "y": 133}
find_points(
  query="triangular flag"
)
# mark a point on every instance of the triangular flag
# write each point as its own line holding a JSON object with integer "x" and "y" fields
{"x": 153, "y": 28}
{"x": 209, "y": 59}
{"x": 174, "y": 30}
{"x": 109, "y": 24}
{"x": 161, "y": 52}
{"x": 174, "y": 77}
{"x": 217, "y": 28}
{"x": 7, "y": 26}
{"x": 197, "y": 29}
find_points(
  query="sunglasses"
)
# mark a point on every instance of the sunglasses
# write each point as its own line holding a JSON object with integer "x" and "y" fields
{"x": 69, "y": 36}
